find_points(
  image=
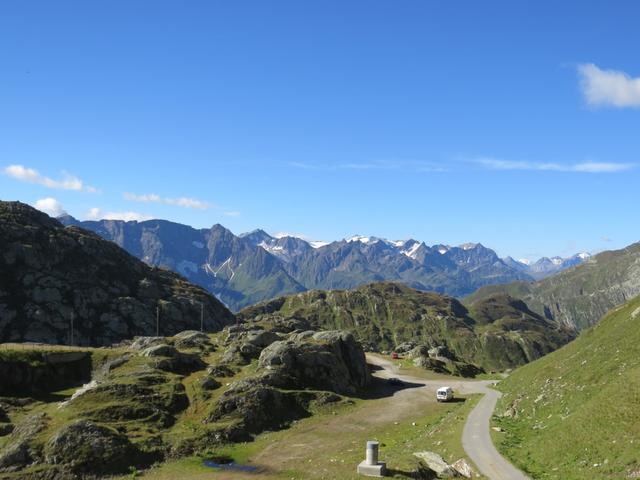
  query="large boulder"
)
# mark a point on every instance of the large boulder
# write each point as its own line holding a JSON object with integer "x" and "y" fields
{"x": 436, "y": 463}
{"x": 84, "y": 446}
{"x": 246, "y": 345}
{"x": 330, "y": 360}
{"x": 161, "y": 350}
{"x": 142, "y": 343}
{"x": 255, "y": 407}
{"x": 171, "y": 360}
{"x": 447, "y": 366}
{"x": 193, "y": 339}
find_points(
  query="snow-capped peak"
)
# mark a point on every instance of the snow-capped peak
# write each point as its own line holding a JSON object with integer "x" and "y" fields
{"x": 362, "y": 239}
{"x": 524, "y": 261}
{"x": 557, "y": 260}
{"x": 584, "y": 255}
{"x": 318, "y": 243}
{"x": 468, "y": 246}
{"x": 412, "y": 250}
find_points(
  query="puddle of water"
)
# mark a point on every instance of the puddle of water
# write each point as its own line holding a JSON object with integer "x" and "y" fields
{"x": 236, "y": 467}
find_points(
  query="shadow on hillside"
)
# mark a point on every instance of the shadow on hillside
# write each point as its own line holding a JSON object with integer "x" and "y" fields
{"x": 382, "y": 388}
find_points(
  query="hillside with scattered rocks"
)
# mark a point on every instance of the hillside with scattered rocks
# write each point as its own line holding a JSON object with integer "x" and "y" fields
{"x": 157, "y": 398}
{"x": 494, "y": 334}
{"x": 68, "y": 285}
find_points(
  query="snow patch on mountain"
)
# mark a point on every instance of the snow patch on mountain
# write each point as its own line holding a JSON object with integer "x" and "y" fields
{"x": 412, "y": 251}
{"x": 197, "y": 244}
{"x": 271, "y": 248}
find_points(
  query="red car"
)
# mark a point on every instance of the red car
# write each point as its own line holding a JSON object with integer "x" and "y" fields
{"x": 395, "y": 356}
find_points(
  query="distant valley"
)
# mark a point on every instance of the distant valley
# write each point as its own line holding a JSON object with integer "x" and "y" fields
{"x": 245, "y": 269}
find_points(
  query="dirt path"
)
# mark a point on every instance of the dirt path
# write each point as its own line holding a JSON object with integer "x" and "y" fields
{"x": 476, "y": 437}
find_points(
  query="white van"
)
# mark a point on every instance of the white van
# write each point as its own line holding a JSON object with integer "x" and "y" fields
{"x": 444, "y": 394}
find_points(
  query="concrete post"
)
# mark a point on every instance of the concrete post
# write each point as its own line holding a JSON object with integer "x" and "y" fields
{"x": 372, "y": 453}
{"x": 371, "y": 466}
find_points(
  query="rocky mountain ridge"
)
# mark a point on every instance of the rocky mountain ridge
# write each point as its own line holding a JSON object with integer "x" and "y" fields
{"x": 244, "y": 269}
{"x": 580, "y": 296}
{"x": 69, "y": 285}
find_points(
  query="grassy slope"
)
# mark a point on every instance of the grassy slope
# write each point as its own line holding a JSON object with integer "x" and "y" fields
{"x": 580, "y": 406}
{"x": 383, "y": 315}
{"x": 579, "y": 296}
{"x": 331, "y": 443}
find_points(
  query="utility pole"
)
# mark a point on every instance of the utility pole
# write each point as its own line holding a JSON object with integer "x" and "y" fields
{"x": 157, "y": 320}
{"x": 201, "y": 317}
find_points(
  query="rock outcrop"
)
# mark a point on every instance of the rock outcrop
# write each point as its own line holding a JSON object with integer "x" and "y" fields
{"x": 85, "y": 447}
{"x": 384, "y": 316}
{"x": 54, "y": 276}
{"x": 325, "y": 360}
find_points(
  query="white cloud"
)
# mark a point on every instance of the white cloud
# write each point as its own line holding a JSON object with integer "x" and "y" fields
{"x": 147, "y": 198}
{"x": 180, "y": 202}
{"x": 50, "y": 206}
{"x": 608, "y": 87}
{"x": 585, "y": 167}
{"x": 233, "y": 213}
{"x": 97, "y": 214}
{"x": 187, "y": 203}
{"x": 30, "y": 175}
{"x": 400, "y": 165}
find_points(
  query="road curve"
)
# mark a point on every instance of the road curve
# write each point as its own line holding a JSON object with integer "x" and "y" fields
{"x": 476, "y": 437}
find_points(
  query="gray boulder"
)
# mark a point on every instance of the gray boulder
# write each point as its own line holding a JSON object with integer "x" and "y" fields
{"x": 463, "y": 468}
{"x": 405, "y": 347}
{"x": 436, "y": 463}
{"x": 192, "y": 339}
{"x": 326, "y": 361}
{"x": 141, "y": 343}
{"x": 247, "y": 345}
{"x": 255, "y": 407}
{"x": 221, "y": 371}
{"x": 84, "y": 446}
{"x": 440, "y": 352}
{"x": 160, "y": 351}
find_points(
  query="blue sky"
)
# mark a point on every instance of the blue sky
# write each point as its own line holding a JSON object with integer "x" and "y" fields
{"x": 514, "y": 124}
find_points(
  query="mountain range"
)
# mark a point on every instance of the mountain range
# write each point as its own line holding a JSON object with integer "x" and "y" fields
{"x": 245, "y": 269}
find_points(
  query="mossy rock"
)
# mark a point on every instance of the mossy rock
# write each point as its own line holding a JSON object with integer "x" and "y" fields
{"x": 84, "y": 446}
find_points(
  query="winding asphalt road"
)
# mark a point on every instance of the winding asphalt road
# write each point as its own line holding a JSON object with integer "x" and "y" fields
{"x": 476, "y": 437}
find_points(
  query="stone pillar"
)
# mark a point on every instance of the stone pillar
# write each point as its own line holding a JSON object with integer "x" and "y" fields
{"x": 371, "y": 466}
{"x": 372, "y": 453}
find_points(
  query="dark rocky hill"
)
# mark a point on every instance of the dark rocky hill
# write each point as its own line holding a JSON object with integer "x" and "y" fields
{"x": 52, "y": 275}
